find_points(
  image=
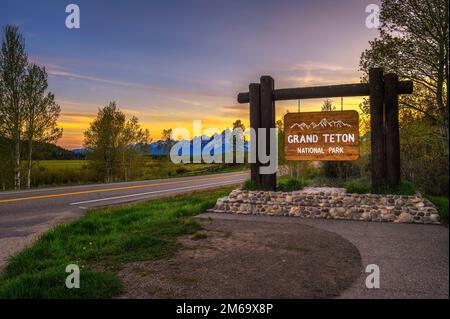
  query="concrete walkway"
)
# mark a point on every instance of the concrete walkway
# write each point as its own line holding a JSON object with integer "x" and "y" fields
{"x": 413, "y": 259}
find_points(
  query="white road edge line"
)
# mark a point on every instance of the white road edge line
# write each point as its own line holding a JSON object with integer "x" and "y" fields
{"x": 118, "y": 184}
{"x": 153, "y": 192}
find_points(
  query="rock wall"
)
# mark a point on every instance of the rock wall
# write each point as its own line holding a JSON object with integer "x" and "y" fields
{"x": 330, "y": 205}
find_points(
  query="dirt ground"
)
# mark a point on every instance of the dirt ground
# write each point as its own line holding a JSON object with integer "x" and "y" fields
{"x": 249, "y": 259}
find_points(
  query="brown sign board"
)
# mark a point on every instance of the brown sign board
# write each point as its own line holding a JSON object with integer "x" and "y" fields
{"x": 321, "y": 136}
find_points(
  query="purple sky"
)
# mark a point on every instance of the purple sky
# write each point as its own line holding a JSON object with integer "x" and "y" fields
{"x": 171, "y": 62}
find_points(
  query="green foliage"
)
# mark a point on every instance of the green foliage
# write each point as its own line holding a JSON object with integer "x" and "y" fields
{"x": 363, "y": 187}
{"x": 290, "y": 184}
{"x": 405, "y": 188}
{"x": 249, "y": 185}
{"x": 409, "y": 32}
{"x": 75, "y": 172}
{"x": 62, "y": 172}
{"x": 49, "y": 284}
{"x": 285, "y": 184}
{"x": 413, "y": 42}
{"x": 347, "y": 169}
{"x": 99, "y": 243}
{"x": 424, "y": 156}
{"x": 13, "y": 64}
{"x": 442, "y": 205}
{"x": 116, "y": 144}
{"x": 27, "y": 111}
{"x": 357, "y": 187}
{"x": 41, "y": 151}
{"x": 161, "y": 168}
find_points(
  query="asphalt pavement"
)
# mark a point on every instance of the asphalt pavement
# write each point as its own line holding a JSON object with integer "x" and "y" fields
{"x": 26, "y": 214}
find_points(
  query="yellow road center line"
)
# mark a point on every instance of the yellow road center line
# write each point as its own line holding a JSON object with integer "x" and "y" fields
{"x": 102, "y": 190}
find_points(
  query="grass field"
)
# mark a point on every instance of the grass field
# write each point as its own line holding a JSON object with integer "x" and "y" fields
{"x": 99, "y": 243}
{"x": 62, "y": 164}
{"x": 75, "y": 172}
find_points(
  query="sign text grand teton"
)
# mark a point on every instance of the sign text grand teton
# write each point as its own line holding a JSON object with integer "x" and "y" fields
{"x": 321, "y": 136}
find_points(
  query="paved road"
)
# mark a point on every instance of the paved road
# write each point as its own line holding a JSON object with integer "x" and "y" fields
{"x": 412, "y": 258}
{"x": 26, "y": 214}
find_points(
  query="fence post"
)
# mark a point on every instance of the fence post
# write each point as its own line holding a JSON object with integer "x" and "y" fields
{"x": 392, "y": 130}
{"x": 255, "y": 123}
{"x": 268, "y": 181}
{"x": 376, "y": 90}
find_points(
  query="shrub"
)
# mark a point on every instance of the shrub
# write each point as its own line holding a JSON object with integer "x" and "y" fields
{"x": 290, "y": 184}
{"x": 181, "y": 170}
{"x": 357, "y": 187}
{"x": 249, "y": 185}
{"x": 421, "y": 142}
{"x": 405, "y": 188}
{"x": 442, "y": 205}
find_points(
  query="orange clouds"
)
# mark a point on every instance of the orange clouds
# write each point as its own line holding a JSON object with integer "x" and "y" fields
{"x": 74, "y": 124}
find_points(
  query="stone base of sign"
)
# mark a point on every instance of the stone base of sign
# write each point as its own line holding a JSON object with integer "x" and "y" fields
{"x": 330, "y": 204}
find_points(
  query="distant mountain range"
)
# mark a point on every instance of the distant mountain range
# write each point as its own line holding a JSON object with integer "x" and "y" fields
{"x": 324, "y": 123}
{"x": 162, "y": 148}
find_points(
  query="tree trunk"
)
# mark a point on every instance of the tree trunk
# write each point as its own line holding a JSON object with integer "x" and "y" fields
{"x": 30, "y": 150}
{"x": 124, "y": 167}
{"x": 17, "y": 163}
{"x": 129, "y": 168}
{"x": 443, "y": 111}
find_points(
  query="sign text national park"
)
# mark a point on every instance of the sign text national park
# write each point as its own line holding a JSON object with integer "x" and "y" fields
{"x": 321, "y": 136}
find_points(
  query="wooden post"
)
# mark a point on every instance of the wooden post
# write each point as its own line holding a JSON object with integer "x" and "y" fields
{"x": 385, "y": 157}
{"x": 392, "y": 131}
{"x": 255, "y": 123}
{"x": 376, "y": 90}
{"x": 268, "y": 181}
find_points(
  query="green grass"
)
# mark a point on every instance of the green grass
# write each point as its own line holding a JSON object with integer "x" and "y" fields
{"x": 153, "y": 168}
{"x": 249, "y": 185}
{"x": 56, "y": 165}
{"x": 79, "y": 172}
{"x": 357, "y": 187}
{"x": 289, "y": 184}
{"x": 99, "y": 243}
{"x": 285, "y": 184}
{"x": 166, "y": 169}
{"x": 442, "y": 205}
{"x": 405, "y": 188}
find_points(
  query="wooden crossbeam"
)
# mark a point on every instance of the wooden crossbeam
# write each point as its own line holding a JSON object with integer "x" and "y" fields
{"x": 357, "y": 89}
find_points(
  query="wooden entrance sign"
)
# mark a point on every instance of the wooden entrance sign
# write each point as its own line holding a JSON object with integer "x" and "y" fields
{"x": 321, "y": 136}
{"x": 383, "y": 89}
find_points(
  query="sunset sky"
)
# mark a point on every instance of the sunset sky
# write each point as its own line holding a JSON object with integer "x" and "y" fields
{"x": 171, "y": 62}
